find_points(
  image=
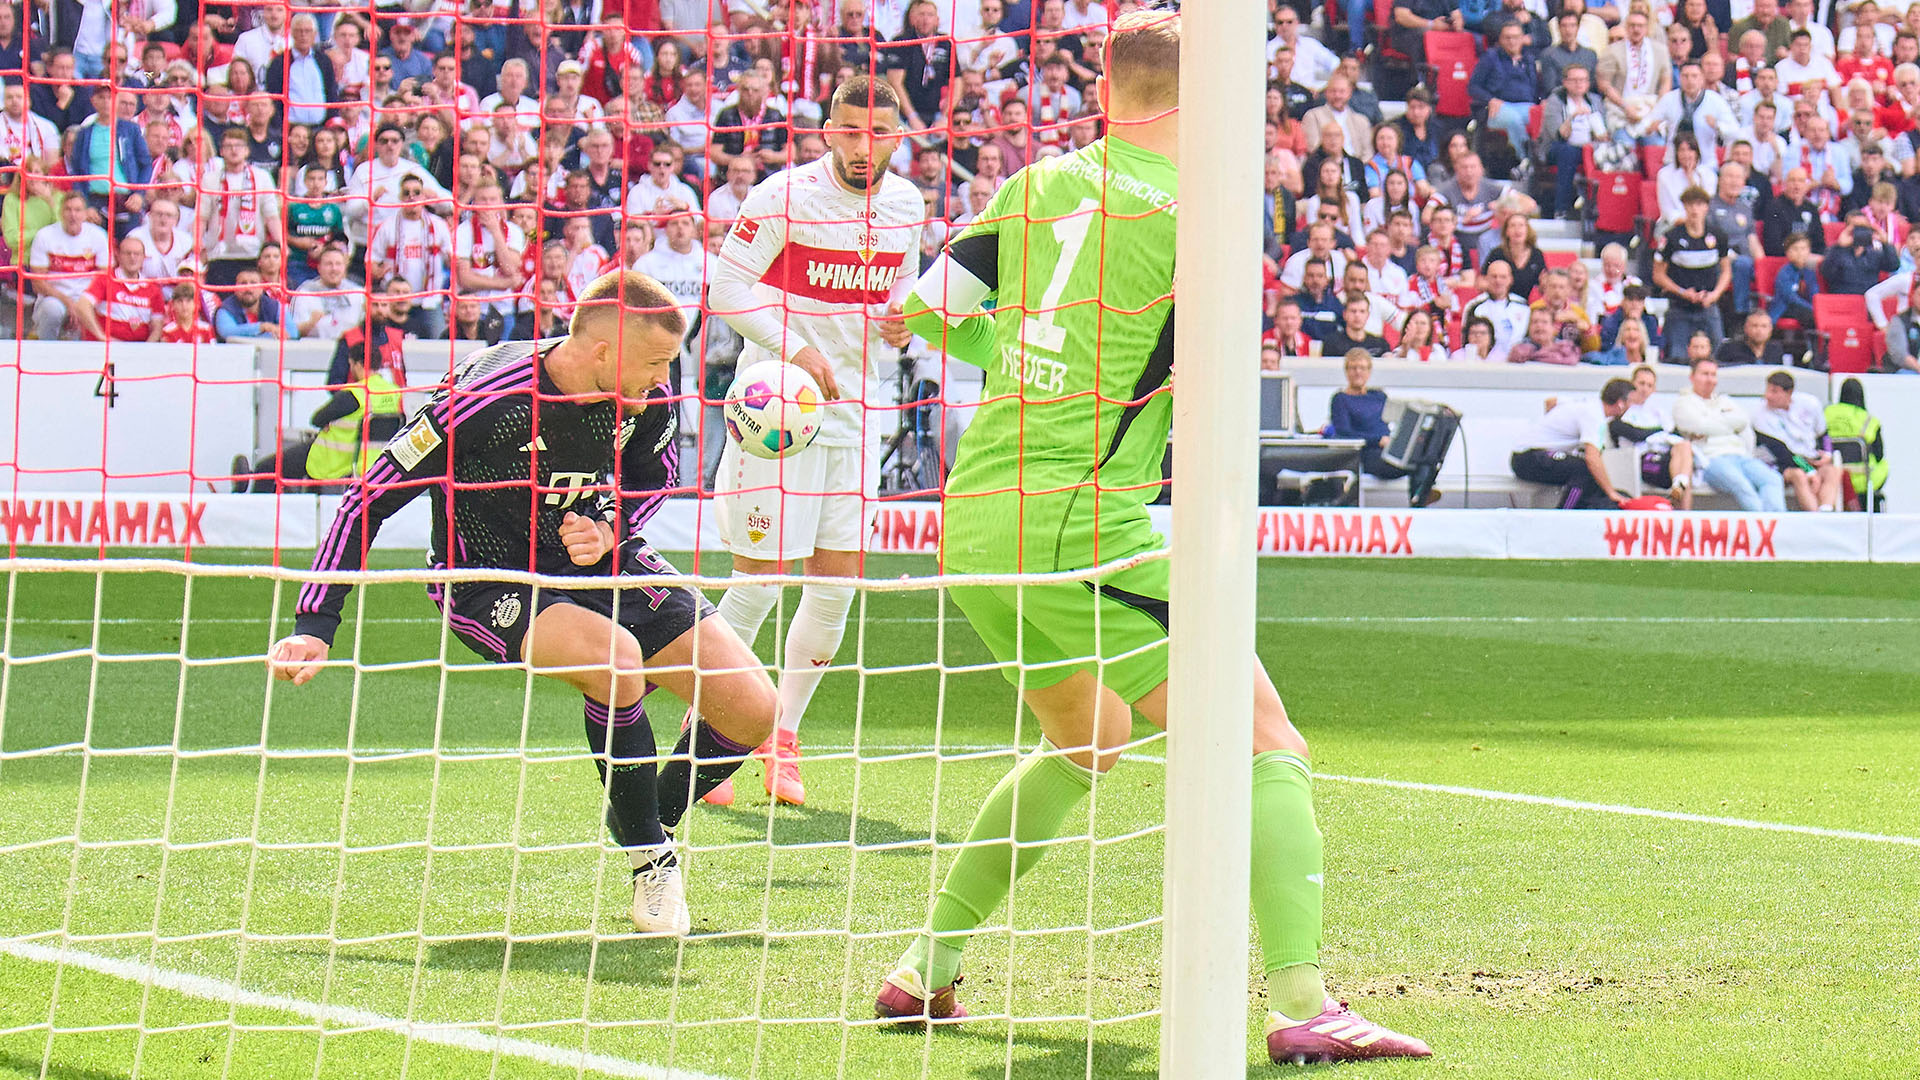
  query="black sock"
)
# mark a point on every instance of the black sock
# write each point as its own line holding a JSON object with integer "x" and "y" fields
{"x": 681, "y": 784}
{"x": 623, "y": 735}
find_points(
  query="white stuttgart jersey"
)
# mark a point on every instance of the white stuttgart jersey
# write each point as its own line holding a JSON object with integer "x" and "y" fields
{"x": 822, "y": 259}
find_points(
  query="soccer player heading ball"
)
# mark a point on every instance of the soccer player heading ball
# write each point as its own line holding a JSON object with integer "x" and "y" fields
{"x": 1054, "y": 475}
{"x": 550, "y": 456}
{"x": 807, "y": 275}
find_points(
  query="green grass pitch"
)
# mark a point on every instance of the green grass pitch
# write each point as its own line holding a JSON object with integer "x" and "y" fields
{"x": 1521, "y": 939}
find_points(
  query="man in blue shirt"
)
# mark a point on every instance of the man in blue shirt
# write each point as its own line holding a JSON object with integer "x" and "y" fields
{"x": 1503, "y": 84}
{"x": 110, "y": 138}
{"x": 304, "y": 75}
{"x": 1320, "y": 306}
{"x": 248, "y": 312}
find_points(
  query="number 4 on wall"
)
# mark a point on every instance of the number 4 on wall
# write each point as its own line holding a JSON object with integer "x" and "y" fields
{"x": 105, "y": 388}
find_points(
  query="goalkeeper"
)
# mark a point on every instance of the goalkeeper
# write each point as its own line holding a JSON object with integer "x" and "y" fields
{"x": 522, "y": 433}
{"x": 1054, "y": 475}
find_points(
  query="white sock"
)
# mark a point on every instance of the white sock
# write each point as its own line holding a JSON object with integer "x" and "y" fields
{"x": 813, "y": 639}
{"x": 745, "y": 605}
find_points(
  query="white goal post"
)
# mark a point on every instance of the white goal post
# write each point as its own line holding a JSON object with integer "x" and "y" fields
{"x": 1210, "y": 708}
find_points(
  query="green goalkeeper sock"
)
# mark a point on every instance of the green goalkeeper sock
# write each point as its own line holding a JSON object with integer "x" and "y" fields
{"x": 1029, "y": 805}
{"x": 1287, "y": 876}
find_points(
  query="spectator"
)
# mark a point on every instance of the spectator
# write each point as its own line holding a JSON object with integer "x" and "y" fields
{"x": 1543, "y": 345}
{"x": 1723, "y": 441}
{"x": 1482, "y": 346}
{"x": 724, "y": 203}
{"x": 239, "y": 211}
{"x": 1573, "y": 118}
{"x": 1791, "y": 426}
{"x": 1519, "y": 248}
{"x": 1357, "y": 412}
{"x": 1666, "y": 459}
{"x": 411, "y": 63}
{"x": 1693, "y": 267}
{"x": 1687, "y": 170}
{"x": 1793, "y": 212}
{"x": 1396, "y": 197}
{"x": 1456, "y": 260}
{"x": 413, "y": 246}
{"x": 1631, "y": 344}
{"x": 661, "y": 193}
{"x": 687, "y": 123}
{"x": 1337, "y": 111}
{"x": 1755, "y": 345}
{"x": 59, "y": 99}
{"x": 384, "y": 328}
{"x": 22, "y": 133}
{"x": 1418, "y": 338}
{"x": 110, "y": 147}
{"x": 920, "y": 64}
{"x": 1859, "y": 264}
{"x": 1570, "y": 321}
{"x": 1320, "y": 246}
{"x": 184, "y": 325}
{"x": 751, "y": 128}
{"x": 267, "y": 39}
{"x": 1562, "y": 448}
{"x": 1827, "y": 165}
{"x": 1384, "y": 278}
{"x": 381, "y": 178}
{"x": 1729, "y": 215}
{"x": 1506, "y": 313}
{"x": 1766, "y": 21}
{"x": 1633, "y": 308}
{"x": 1502, "y": 86}
{"x": 1330, "y": 194}
{"x": 1351, "y": 335}
{"x": 1636, "y": 72}
{"x": 1902, "y": 329}
{"x": 1472, "y": 197}
{"x": 1419, "y": 135}
{"x": 487, "y": 255}
{"x": 304, "y": 77}
{"x": 122, "y": 303}
{"x": 1603, "y": 295}
{"x": 1313, "y": 63}
{"x": 1567, "y": 51}
{"x": 1413, "y": 20}
{"x": 329, "y": 305}
{"x": 1848, "y": 418}
{"x": 64, "y": 257}
{"x": 314, "y": 223}
{"x": 28, "y": 205}
{"x": 248, "y": 312}
{"x": 1322, "y": 310}
{"x": 475, "y": 321}
{"x": 1797, "y": 283}
{"x": 1289, "y": 339}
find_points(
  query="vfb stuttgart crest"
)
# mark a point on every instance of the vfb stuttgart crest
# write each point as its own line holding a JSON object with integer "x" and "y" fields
{"x": 506, "y": 610}
{"x": 758, "y": 525}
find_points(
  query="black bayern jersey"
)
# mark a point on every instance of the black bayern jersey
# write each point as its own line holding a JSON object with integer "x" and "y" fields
{"x": 504, "y": 457}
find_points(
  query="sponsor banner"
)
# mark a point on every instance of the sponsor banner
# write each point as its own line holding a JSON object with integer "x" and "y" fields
{"x": 1732, "y": 536}
{"x": 298, "y": 521}
{"x": 194, "y": 520}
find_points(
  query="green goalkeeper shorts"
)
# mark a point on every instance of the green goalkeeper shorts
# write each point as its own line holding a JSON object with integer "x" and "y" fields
{"x": 1116, "y": 628}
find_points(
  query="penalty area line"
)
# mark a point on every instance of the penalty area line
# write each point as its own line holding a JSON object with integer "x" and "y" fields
{"x": 452, "y": 1035}
{"x": 1623, "y": 811}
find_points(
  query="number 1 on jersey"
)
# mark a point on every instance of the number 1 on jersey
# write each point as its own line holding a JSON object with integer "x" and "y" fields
{"x": 1070, "y": 232}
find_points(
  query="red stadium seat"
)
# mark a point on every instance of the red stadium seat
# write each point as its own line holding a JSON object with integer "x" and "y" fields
{"x": 1383, "y": 19}
{"x": 1651, "y": 159}
{"x": 1560, "y": 260}
{"x": 1451, "y": 55}
{"x": 1535, "y": 116}
{"x": 1850, "y": 343}
{"x": 1615, "y": 202}
{"x": 1765, "y": 269}
{"x": 1833, "y": 230}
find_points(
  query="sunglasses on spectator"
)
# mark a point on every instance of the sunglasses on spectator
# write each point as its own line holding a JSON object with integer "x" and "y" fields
{"x": 663, "y": 163}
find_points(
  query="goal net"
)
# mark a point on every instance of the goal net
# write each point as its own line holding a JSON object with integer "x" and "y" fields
{"x": 292, "y": 227}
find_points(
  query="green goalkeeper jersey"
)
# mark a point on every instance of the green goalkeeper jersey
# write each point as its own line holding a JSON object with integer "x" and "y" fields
{"x": 1063, "y": 455}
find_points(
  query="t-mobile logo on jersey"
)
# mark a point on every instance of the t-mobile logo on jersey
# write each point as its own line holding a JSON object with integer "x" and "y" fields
{"x": 571, "y": 482}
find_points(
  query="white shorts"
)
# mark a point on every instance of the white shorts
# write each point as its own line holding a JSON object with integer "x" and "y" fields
{"x": 820, "y": 498}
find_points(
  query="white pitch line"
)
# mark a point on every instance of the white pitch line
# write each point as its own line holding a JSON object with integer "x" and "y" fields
{"x": 1625, "y": 811}
{"x": 228, "y": 993}
{"x": 1288, "y": 620}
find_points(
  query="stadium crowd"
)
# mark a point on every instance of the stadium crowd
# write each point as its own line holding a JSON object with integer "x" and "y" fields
{"x": 205, "y": 170}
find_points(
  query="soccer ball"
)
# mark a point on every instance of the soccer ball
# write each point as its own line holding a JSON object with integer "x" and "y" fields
{"x": 773, "y": 409}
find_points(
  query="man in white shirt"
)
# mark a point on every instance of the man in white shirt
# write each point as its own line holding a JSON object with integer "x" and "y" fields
{"x": 724, "y": 203}
{"x": 1384, "y": 276}
{"x": 1336, "y": 111}
{"x": 380, "y": 178}
{"x": 1827, "y": 163}
{"x": 68, "y": 253}
{"x": 660, "y": 192}
{"x": 239, "y": 206}
{"x": 1898, "y": 289}
{"x": 1792, "y": 425}
{"x": 166, "y": 245}
{"x": 1691, "y": 107}
{"x": 1563, "y": 447}
{"x": 1312, "y": 61}
{"x": 1800, "y": 17}
{"x": 265, "y": 41}
{"x": 487, "y": 251}
{"x": 1722, "y": 438}
{"x": 329, "y": 305}
{"x": 1867, "y": 13}
{"x": 1803, "y": 67}
{"x": 1766, "y": 88}
{"x": 1499, "y": 306}
{"x": 1320, "y": 241}
{"x": 25, "y": 134}
{"x": 512, "y": 96}
{"x": 414, "y": 246}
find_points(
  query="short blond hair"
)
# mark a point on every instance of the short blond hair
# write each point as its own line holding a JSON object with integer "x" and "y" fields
{"x": 629, "y": 293}
{"x": 1143, "y": 58}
